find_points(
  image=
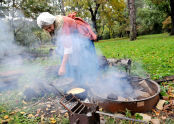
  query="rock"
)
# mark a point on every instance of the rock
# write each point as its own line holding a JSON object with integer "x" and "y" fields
{"x": 146, "y": 117}
{"x": 155, "y": 121}
{"x": 160, "y": 104}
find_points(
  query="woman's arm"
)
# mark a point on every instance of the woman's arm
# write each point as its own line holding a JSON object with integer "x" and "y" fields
{"x": 62, "y": 69}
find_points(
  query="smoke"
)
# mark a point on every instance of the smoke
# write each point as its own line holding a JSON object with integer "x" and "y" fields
{"x": 83, "y": 66}
{"x": 16, "y": 71}
{"x": 82, "y": 61}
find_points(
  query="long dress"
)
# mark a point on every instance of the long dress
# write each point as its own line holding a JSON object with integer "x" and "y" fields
{"x": 82, "y": 62}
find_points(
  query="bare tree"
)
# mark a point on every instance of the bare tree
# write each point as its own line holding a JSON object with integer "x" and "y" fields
{"x": 132, "y": 17}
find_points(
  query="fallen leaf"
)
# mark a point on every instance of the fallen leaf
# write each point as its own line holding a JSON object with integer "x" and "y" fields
{"x": 53, "y": 121}
{"x": 155, "y": 121}
{"x": 11, "y": 113}
{"x": 53, "y": 111}
{"x": 157, "y": 113}
{"x": 38, "y": 111}
{"x": 3, "y": 111}
{"x": 6, "y": 117}
{"x": 165, "y": 97}
{"x": 30, "y": 116}
{"x": 22, "y": 112}
{"x": 163, "y": 117}
{"x": 66, "y": 114}
{"x": 101, "y": 109}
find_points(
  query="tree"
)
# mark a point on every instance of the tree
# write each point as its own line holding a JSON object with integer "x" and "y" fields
{"x": 164, "y": 6}
{"x": 32, "y": 8}
{"x": 132, "y": 17}
{"x": 95, "y": 10}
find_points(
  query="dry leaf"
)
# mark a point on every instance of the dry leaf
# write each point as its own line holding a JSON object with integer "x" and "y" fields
{"x": 53, "y": 121}
{"x": 6, "y": 117}
{"x": 30, "y": 116}
{"x": 22, "y": 112}
{"x": 155, "y": 121}
{"x": 163, "y": 117}
{"x": 157, "y": 113}
{"x": 38, "y": 111}
{"x": 11, "y": 113}
{"x": 165, "y": 97}
{"x": 66, "y": 114}
{"x": 101, "y": 109}
{"x": 3, "y": 111}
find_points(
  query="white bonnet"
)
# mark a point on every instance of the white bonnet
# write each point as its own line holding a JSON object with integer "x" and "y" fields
{"x": 44, "y": 19}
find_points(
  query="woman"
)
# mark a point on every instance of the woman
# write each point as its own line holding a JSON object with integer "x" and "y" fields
{"x": 76, "y": 45}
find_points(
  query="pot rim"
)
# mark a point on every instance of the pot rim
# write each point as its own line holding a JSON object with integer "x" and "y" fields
{"x": 144, "y": 99}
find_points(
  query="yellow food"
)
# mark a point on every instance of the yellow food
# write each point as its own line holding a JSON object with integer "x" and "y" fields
{"x": 76, "y": 91}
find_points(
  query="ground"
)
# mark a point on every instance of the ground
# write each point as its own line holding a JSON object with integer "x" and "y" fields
{"x": 151, "y": 55}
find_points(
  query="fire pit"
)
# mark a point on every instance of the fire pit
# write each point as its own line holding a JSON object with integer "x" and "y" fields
{"x": 146, "y": 97}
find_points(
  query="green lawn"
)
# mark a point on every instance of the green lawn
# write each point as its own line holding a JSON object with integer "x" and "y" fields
{"x": 153, "y": 54}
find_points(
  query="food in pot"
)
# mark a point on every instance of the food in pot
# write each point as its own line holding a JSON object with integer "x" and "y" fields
{"x": 76, "y": 91}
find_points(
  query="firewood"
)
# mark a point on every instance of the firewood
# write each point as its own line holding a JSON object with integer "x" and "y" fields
{"x": 142, "y": 94}
{"x": 146, "y": 87}
{"x": 160, "y": 104}
{"x": 121, "y": 98}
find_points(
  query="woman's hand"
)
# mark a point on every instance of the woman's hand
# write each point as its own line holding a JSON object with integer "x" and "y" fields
{"x": 62, "y": 70}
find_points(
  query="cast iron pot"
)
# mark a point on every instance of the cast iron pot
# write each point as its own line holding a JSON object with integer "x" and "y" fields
{"x": 82, "y": 95}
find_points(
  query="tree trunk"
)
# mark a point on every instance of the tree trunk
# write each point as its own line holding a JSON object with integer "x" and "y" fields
{"x": 93, "y": 16}
{"x": 62, "y": 7}
{"x": 132, "y": 17}
{"x": 172, "y": 16}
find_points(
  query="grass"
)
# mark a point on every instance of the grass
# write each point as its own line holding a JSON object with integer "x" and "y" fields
{"x": 152, "y": 53}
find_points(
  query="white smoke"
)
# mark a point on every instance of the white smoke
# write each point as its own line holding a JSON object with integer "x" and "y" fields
{"x": 85, "y": 68}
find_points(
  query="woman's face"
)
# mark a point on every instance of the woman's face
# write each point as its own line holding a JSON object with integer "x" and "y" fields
{"x": 49, "y": 28}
